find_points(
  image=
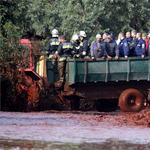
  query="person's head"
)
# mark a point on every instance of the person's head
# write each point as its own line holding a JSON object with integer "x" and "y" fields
{"x": 121, "y": 36}
{"x": 133, "y": 33}
{"x": 128, "y": 35}
{"x": 105, "y": 36}
{"x": 138, "y": 35}
{"x": 54, "y": 33}
{"x": 144, "y": 36}
{"x": 148, "y": 34}
{"x": 82, "y": 35}
{"x": 109, "y": 38}
{"x": 62, "y": 38}
{"x": 98, "y": 37}
{"x": 75, "y": 38}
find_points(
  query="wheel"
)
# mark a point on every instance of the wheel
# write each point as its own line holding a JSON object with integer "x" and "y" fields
{"x": 29, "y": 95}
{"x": 33, "y": 96}
{"x": 105, "y": 105}
{"x": 131, "y": 100}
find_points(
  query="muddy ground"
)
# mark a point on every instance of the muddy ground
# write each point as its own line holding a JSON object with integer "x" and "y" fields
{"x": 77, "y": 130}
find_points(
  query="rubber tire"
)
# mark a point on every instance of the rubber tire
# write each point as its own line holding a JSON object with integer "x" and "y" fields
{"x": 105, "y": 105}
{"x": 124, "y": 98}
{"x": 33, "y": 91}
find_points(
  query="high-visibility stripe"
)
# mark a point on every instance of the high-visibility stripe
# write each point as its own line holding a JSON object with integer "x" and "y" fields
{"x": 78, "y": 47}
{"x": 50, "y": 56}
{"x": 62, "y": 59}
{"x": 67, "y": 47}
{"x": 54, "y": 44}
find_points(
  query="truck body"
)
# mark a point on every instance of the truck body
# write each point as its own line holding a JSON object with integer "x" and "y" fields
{"x": 104, "y": 79}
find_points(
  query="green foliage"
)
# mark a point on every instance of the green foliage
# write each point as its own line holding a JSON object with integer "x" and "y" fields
{"x": 38, "y": 17}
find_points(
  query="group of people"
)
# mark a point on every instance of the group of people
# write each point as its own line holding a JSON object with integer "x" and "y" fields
{"x": 132, "y": 44}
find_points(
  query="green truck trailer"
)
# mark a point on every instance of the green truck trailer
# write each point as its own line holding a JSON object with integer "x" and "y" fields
{"x": 123, "y": 82}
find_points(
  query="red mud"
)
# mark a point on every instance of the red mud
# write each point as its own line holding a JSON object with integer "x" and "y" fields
{"x": 76, "y": 127}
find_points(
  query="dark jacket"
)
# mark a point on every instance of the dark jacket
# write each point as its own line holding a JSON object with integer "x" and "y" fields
{"x": 111, "y": 48}
{"x": 123, "y": 48}
{"x": 84, "y": 46}
{"x": 52, "y": 45}
{"x": 140, "y": 48}
{"x": 65, "y": 49}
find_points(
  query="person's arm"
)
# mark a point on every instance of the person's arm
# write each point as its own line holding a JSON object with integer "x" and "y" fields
{"x": 48, "y": 47}
{"x": 59, "y": 50}
{"x": 143, "y": 49}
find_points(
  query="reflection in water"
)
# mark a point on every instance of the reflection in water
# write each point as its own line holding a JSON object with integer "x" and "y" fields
{"x": 39, "y": 145}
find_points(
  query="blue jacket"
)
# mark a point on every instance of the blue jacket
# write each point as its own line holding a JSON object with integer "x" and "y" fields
{"x": 123, "y": 48}
{"x": 129, "y": 40}
{"x": 140, "y": 48}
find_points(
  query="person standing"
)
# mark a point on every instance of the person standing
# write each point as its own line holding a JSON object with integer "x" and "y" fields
{"x": 97, "y": 49}
{"x": 111, "y": 47}
{"x": 133, "y": 43}
{"x": 76, "y": 46}
{"x": 123, "y": 47}
{"x": 84, "y": 46}
{"x": 64, "y": 51}
{"x": 52, "y": 44}
{"x": 128, "y": 37}
{"x": 140, "y": 48}
{"x": 145, "y": 38}
{"x": 148, "y": 35}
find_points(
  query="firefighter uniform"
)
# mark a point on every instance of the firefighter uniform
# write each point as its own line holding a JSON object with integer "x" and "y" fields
{"x": 64, "y": 51}
{"x": 84, "y": 49}
{"x": 52, "y": 46}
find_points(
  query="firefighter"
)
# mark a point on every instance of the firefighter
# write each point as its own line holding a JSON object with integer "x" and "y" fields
{"x": 84, "y": 46}
{"x": 76, "y": 46}
{"x": 140, "y": 48}
{"x": 52, "y": 44}
{"x": 52, "y": 47}
{"x": 64, "y": 51}
{"x": 123, "y": 47}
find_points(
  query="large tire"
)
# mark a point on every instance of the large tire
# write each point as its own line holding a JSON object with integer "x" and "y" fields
{"x": 29, "y": 96}
{"x": 33, "y": 96}
{"x": 104, "y": 105}
{"x": 131, "y": 100}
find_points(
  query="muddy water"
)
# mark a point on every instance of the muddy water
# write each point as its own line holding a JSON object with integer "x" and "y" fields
{"x": 39, "y": 145}
{"x": 47, "y": 130}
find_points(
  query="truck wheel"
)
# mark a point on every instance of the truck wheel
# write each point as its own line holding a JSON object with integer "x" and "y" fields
{"x": 105, "y": 105}
{"x": 33, "y": 97}
{"x": 29, "y": 95}
{"x": 131, "y": 100}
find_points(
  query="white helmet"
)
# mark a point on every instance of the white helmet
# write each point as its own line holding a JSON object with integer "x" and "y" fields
{"x": 75, "y": 37}
{"x": 82, "y": 33}
{"x": 54, "y": 33}
{"x": 98, "y": 36}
